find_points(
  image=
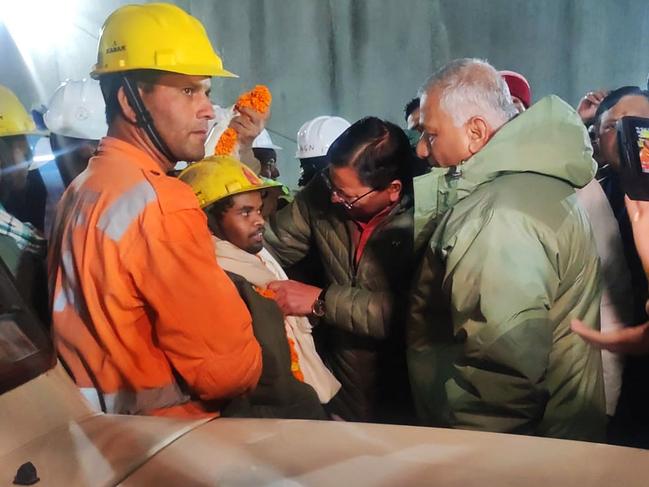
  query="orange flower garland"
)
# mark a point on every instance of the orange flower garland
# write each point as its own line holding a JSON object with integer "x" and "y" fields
{"x": 226, "y": 143}
{"x": 259, "y": 99}
{"x": 265, "y": 292}
{"x": 295, "y": 363}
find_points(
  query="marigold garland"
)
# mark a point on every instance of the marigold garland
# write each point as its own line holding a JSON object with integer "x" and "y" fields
{"x": 227, "y": 142}
{"x": 265, "y": 292}
{"x": 295, "y": 363}
{"x": 259, "y": 99}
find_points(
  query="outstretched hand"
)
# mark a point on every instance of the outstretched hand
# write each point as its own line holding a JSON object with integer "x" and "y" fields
{"x": 629, "y": 341}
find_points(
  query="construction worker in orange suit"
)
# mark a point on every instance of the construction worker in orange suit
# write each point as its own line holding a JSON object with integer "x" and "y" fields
{"x": 143, "y": 317}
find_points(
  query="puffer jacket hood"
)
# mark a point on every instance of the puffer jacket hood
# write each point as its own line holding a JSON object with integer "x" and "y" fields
{"x": 551, "y": 140}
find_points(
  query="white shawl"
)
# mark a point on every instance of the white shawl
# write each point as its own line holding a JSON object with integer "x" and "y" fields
{"x": 259, "y": 270}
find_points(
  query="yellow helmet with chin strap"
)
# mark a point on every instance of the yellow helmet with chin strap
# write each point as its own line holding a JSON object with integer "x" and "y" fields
{"x": 218, "y": 177}
{"x": 158, "y": 36}
{"x": 14, "y": 119}
{"x": 154, "y": 36}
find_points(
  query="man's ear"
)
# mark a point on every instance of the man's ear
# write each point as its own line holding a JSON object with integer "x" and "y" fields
{"x": 127, "y": 111}
{"x": 394, "y": 190}
{"x": 479, "y": 132}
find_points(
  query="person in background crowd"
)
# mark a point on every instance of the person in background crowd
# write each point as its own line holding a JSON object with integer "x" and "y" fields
{"x": 266, "y": 153}
{"x": 625, "y": 101}
{"x": 617, "y": 292}
{"x": 313, "y": 141}
{"x": 22, "y": 192}
{"x": 632, "y": 340}
{"x": 45, "y": 163}
{"x": 22, "y": 246}
{"x": 519, "y": 88}
{"x": 506, "y": 268}
{"x": 616, "y": 309}
{"x": 76, "y": 119}
{"x": 232, "y": 198}
{"x": 630, "y": 425}
{"x": 411, "y": 112}
{"x": 586, "y": 109}
{"x": 357, "y": 216}
{"x": 135, "y": 288}
{"x": 413, "y": 131}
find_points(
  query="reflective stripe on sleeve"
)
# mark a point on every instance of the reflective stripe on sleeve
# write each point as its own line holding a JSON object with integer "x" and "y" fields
{"x": 116, "y": 219}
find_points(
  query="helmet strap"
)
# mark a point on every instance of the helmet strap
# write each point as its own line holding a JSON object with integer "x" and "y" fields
{"x": 143, "y": 118}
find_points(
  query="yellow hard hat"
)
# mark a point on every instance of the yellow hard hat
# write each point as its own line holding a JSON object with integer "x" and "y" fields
{"x": 218, "y": 177}
{"x": 157, "y": 36}
{"x": 14, "y": 119}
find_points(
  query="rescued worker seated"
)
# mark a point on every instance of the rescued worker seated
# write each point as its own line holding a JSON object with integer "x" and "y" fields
{"x": 294, "y": 380}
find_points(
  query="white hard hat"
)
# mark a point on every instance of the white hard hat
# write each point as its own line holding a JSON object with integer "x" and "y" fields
{"x": 77, "y": 109}
{"x": 263, "y": 141}
{"x": 315, "y": 136}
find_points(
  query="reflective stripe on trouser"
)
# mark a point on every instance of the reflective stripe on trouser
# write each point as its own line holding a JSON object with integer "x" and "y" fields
{"x": 135, "y": 402}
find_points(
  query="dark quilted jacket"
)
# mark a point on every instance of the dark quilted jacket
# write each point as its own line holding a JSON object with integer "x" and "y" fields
{"x": 361, "y": 336}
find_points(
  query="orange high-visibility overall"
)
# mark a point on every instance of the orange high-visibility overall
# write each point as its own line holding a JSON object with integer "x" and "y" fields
{"x": 143, "y": 317}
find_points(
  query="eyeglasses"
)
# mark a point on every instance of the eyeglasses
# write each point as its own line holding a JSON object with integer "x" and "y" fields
{"x": 429, "y": 138}
{"x": 348, "y": 205}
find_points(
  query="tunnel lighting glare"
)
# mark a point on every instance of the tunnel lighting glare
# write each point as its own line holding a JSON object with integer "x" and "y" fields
{"x": 38, "y": 25}
{"x": 44, "y": 158}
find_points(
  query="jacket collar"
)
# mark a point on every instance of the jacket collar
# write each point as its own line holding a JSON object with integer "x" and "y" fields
{"x": 132, "y": 153}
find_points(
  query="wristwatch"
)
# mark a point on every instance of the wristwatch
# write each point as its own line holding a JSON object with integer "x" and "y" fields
{"x": 318, "y": 309}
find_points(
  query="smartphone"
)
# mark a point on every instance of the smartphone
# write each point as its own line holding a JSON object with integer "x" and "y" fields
{"x": 632, "y": 133}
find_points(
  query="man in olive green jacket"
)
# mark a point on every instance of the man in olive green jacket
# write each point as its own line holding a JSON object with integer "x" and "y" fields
{"x": 509, "y": 261}
{"x": 356, "y": 218}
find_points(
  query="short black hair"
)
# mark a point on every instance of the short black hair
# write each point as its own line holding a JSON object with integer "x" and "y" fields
{"x": 311, "y": 166}
{"x": 378, "y": 150}
{"x": 614, "y": 97}
{"x": 111, "y": 83}
{"x": 411, "y": 106}
{"x": 220, "y": 208}
{"x": 263, "y": 154}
